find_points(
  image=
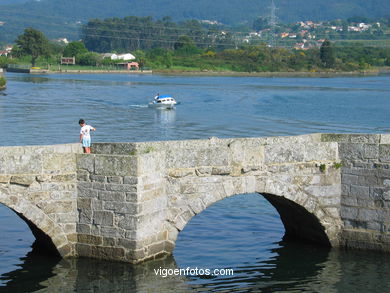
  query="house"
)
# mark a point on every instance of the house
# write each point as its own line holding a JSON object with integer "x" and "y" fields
{"x": 6, "y": 52}
{"x": 129, "y": 65}
{"x": 112, "y": 56}
{"x": 124, "y": 57}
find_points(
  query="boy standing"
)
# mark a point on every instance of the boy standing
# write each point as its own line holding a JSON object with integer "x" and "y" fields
{"x": 85, "y": 137}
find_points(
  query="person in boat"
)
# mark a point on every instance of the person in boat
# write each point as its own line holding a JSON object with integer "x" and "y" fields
{"x": 156, "y": 97}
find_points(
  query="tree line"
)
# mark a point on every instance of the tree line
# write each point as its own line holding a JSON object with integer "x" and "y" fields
{"x": 190, "y": 46}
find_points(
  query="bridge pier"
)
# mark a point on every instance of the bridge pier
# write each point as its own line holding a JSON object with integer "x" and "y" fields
{"x": 129, "y": 201}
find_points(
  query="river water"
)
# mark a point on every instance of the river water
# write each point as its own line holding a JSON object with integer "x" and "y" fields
{"x": 242, "y": 233}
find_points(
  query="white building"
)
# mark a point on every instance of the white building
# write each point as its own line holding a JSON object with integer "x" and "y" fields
{"x": 124, "y": 57}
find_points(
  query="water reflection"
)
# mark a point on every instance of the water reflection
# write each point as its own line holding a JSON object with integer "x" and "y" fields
{"x": 165, "y": 119}
{"x": 34, "y": 268}
{"x": 295, "y": 267}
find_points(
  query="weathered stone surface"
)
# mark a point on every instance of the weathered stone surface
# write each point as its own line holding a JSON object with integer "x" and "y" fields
{"x": 25, "y": 180}
{"x": 115, "y": 165}
{"x": 104, "y": 218}
{"x": 128, "y": 202}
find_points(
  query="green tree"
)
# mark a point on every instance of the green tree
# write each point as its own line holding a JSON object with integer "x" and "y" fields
{"x": 34, "y": 43}
{"x": 185, "y": 46}
{"x": 88, "y": 59}
{"x": 327, "y": 55}
{"x": 75, "y": 48}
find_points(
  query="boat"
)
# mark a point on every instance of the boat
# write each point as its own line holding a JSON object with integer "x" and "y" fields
{"x": 163, "y": 102}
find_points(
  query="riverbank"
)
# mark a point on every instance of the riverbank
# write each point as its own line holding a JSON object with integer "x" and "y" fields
{"x": 89, "y": 71}
{"x": 370, "y": 72}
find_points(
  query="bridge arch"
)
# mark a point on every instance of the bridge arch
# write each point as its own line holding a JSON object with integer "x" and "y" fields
{"x": 303, "y": 215}
{"x": 49, "y": 235}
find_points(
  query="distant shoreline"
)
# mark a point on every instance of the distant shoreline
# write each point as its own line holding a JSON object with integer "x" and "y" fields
{"x": 371, "y": 72}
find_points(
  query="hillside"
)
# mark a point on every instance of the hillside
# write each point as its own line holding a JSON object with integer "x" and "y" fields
{"x": 59, "y": 18}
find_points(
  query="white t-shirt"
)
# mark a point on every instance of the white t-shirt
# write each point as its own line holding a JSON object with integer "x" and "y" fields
{"x": 85, "y": 130}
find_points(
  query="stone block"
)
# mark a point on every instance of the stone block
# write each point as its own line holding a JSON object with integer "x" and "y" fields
{"x": 98, "y": 178}
{"x": 65, "y": 250}
{"x": 64, "y": 177}
{"x": 368, "y": 179}
{"x": 103, "y": 218}
{"x": 365, "y": 138}
{"x": 21, "y": 164}
{"x": 121, "y": 187}
{"x": 110, "y": 232}
{"x": 66, "y": 217}
{"x": 360, "y": 191}
{"x": 348, "y": 179}
{"x": 130, "y": 180}
{"x": 288, "y": 153}
{"x": 24, "y": 180}
{"x": 107, "y": 241}
{"x": 85, "y": 216}
{"x": 59, "y": 163}
{"x": 116, "y": 179}
{"x": 182, "y": 172}
{"x": 349, "y": 151}
{"x": 83, "y": 229}
{"x": 126, "y": 243}
{"x": 115, "y": 165}
{"x": 86, "y": 192}
{"x": 349, "y": 213}
{"x": 371, "y": 151}
{"x": 348, "y": 201}
{"x": 127, "y": 221}
{"x": 57, "y": 207}
{"x": 109, "y": 253}
{"x": 203, "y": 171}
{"x": 221, "y": 170}
{"x": 121, "y": 207}
{"x": 367, "y": 215}
{"x": 83, "y": 250}
{"x": 4, "y": 179}
{"x": 86, "y": 162}
{"x": 131, "y": 196}
{"x": 385, "y": 138}
{"x": 135, "y": 255}
{"x": 112, "y": 196}
{"x": 384, "y": 153}
{"x": 156, "y": 248}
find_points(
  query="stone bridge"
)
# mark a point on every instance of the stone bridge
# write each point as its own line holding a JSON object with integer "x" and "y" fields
{"x": 129, "y": 201}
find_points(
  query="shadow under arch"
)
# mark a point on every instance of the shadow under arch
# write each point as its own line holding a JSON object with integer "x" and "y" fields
{"x": 298, "y": 222}
{"x": 48, "y": 235}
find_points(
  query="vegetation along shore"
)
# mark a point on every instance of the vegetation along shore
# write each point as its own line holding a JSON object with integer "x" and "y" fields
{"x": 193, "y": 47}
